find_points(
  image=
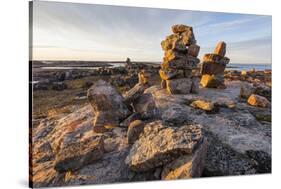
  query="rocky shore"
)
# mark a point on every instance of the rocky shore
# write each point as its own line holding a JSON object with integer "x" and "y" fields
{"x": 130, "y": 127}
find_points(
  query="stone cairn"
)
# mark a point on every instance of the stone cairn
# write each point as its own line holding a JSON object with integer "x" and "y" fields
{"x": 213, "y": 67}
{"x": 178, "y": 70}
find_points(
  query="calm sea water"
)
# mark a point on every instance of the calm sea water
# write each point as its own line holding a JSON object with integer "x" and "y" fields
{"x": 257, "y": 67}
{"x": 113, "y": 65}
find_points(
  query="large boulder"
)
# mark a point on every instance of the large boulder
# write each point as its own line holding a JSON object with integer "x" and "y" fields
{"x": 108, "y": 104}
{"x": 159, "y": 144}
{"x": 186, "y": 166}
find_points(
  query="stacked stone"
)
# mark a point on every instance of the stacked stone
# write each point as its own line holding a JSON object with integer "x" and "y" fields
{"x": 178, "y": 70}
{"x": 213, "y": 67}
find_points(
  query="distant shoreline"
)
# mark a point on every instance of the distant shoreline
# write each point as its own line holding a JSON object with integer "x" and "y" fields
{"x": 69, "y": 64}
{"x": 113, "y": 61}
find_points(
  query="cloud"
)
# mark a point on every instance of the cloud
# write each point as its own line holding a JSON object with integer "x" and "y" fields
{"x": 114, "y": 32}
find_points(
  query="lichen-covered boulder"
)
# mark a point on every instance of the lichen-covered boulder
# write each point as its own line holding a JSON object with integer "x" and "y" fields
{"x": 159, "y": 144}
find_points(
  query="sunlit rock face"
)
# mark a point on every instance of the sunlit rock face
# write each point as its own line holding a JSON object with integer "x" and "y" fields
{"x": 213, "y": 66}
{"x": 179, "y": 61}
{"x": 108, "y": 105}
{"x": 259, "y": 101}
{"x": 159, "y": 144}
{"x": 166, "y": 137}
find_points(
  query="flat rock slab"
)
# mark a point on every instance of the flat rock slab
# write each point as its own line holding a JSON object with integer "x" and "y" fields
{"x": 234, "y": 125}
{"x": 159, "y": 144}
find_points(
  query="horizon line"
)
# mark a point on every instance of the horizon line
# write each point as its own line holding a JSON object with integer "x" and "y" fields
{"x": 139, "y": 61}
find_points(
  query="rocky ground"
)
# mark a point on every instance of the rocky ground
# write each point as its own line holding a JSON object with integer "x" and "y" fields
{"x": 58, "y": 91}
{"x": 217, "y": 132}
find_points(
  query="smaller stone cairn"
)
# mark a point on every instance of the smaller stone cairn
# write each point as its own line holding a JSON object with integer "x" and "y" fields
{"x": 178, "y": 70}
{"x": 213, "y": 67}
{"x": 128, "y": 60}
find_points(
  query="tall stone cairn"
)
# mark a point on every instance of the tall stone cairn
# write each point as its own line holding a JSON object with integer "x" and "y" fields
{"x": 178, "y": 70}
{"x": 213, "y": 67}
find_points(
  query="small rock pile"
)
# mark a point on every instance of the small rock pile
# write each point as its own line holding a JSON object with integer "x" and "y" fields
{"x": 259, "y": 96}
{"x": 111, "y": 109}
{"x": 158, "y": 139}
{"x": 213, "y": 67}
{"x": 180, "y": 60}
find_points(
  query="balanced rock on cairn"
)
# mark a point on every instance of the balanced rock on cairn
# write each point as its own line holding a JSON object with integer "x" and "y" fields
{"x": 213, "y": 67}
{"x": 180, "y": 61}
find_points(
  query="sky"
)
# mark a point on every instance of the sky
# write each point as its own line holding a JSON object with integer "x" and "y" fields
{"x": 72, "y": 31}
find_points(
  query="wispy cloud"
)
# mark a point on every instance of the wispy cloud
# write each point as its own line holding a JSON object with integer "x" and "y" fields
{"x": 99, "y": 32}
